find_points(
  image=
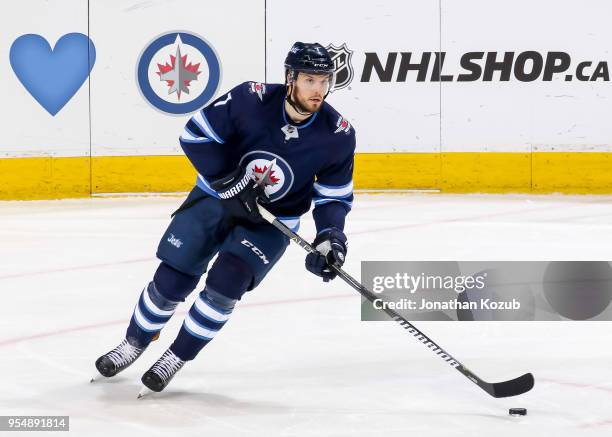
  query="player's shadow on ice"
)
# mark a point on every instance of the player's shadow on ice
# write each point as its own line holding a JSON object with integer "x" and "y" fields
{"x": 171, "y": 403}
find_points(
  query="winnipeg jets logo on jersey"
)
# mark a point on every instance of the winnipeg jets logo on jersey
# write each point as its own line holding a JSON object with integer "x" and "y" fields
{"x": 258, "y": 88}
{"x": 178, "y": 72}
{"x": 342, "y": 125}
{"x": 276, "y": 173}
{"x": 263, "y": 176}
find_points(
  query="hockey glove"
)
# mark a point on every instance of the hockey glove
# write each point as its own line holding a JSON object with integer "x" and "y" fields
{"x": 332, "y": 246}
{"x": 240, "y": 194}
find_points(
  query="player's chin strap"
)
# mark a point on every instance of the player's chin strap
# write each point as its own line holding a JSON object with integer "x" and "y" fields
{"x": 293, "y": 104}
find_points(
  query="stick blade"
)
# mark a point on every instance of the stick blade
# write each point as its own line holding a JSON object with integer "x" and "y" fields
{"x": 513, "y": 387}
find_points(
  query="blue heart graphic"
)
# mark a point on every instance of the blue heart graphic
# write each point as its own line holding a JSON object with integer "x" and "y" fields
{"x": 52, "y": 76}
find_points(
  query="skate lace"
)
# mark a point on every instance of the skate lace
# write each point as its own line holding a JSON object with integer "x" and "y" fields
{"x": 124, "y": 354}
{"x": 167, "y": 365}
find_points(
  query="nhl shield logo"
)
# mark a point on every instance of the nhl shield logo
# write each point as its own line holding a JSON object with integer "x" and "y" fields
{"x": 178, "y": 72}
{"x": 343, "y": 65}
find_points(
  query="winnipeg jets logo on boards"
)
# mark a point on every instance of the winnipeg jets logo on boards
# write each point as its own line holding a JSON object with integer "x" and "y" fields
{"x": 342, "y": 125}
{"x": 258, "y": 88}
{"x": 276, "y": 173}
{"x": 178, "y": 72}
{"x": 342, "y": 64}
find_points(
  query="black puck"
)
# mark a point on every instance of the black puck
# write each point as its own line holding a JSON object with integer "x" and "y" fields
{"x": 517, "y": 411}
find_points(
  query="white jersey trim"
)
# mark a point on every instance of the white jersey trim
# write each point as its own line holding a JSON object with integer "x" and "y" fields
{"x": 190, "y": 138}
{"x": 200, "y": 119}
{"x": 334, "y": 191}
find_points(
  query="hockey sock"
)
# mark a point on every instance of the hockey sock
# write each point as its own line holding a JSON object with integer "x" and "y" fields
{"x": 205, "y": 318}
{"x": 150, "y": 315}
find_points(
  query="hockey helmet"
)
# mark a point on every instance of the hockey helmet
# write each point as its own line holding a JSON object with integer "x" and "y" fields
{"x": 309, "y": 58}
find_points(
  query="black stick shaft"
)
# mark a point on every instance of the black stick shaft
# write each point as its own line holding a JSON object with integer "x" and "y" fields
{"x": 502, "y": 389}
{"x": 367, "y": 294}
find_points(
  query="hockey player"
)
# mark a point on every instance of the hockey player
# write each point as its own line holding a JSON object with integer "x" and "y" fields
{"x": 280, "y": 145}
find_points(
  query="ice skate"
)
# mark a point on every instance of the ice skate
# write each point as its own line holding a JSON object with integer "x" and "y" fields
{"x": 117, "y": 359}
{"x": 161, "y": 373}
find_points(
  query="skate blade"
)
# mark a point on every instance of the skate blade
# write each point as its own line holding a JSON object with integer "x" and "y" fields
{"x": 143, "y": 392}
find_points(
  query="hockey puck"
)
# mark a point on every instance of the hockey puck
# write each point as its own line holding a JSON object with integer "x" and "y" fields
{"x": 517, "y": 411}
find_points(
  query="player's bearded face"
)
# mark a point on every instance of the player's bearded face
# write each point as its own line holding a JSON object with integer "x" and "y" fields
{"x": 309, "y": 90}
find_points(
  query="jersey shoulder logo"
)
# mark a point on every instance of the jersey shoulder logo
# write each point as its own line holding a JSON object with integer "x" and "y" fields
{"x": 342, "y": 125}
{"x": 257, "y": 88}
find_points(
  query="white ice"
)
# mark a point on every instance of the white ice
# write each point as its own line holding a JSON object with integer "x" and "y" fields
{"x": 295, "y": 359}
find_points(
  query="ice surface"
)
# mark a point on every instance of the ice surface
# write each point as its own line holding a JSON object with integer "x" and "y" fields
{"x": 295, "y": 359}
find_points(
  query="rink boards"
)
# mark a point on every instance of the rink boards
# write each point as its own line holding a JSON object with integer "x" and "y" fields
{"x": 443, "y": 96}
{"x": 545, "y": 172}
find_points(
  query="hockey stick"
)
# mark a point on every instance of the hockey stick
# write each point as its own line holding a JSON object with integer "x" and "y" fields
{"x": 502, "y": 389}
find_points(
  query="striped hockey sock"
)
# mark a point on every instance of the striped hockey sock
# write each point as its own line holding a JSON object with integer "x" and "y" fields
{"x": 151, "y": 314}
{"x": 201, "y": 324}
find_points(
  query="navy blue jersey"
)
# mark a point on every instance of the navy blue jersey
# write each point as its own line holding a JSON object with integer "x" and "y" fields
{"x": 313, "y": 160}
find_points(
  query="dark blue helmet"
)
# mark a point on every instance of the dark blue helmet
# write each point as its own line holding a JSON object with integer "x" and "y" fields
{"x": 309, "y": 57}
